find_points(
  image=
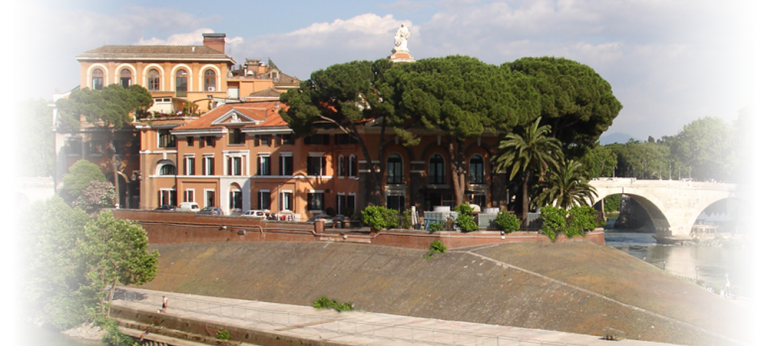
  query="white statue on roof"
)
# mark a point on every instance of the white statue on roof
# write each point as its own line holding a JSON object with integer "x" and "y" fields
{"x": 401, "y": 38}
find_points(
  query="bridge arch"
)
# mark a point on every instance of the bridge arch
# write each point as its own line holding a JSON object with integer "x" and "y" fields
{"x": 651, "y": 206}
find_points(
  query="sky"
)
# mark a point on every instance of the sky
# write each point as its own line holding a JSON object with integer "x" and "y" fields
{"x": 669, "y": 62}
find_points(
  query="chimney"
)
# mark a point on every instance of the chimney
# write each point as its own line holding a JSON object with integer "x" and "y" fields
{"x": 214, "y": 41}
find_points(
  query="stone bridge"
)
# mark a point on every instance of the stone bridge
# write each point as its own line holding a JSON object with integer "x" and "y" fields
{"x": 673, "y": 205}
{"x": 27, "y": 190}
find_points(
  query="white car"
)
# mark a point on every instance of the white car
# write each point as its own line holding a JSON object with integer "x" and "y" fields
{"x": 257, "y": 214}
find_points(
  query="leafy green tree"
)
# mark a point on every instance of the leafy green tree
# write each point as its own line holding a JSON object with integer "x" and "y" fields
{"x": 55, "y": 273}
{"x": 529, "y": 153}
{"x": 98, "y": 194}
{"x": 644, "y": 160}
{"x": 742, "y": 162}
{"x": 565, "y": 186}
{"x": 109, "y": 109}
{"x": 705, "y": 149}
{"x": 115, "y": 251}
{"x": 599, "y": 161}
{"x": 576, "y": 101}
{"x": 462, "y": 97}
{"x": 37, "y": 150}
{"x": 465, "y": 218}
{"x": 80, "y": 176}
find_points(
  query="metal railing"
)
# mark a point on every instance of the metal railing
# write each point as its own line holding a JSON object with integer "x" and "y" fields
{"x": 326, "y": 328}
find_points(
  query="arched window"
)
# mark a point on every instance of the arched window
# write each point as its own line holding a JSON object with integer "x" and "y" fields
{"x": 167, "y": 169}
{"x": 342, "y": 171}
{"x": 394, "y": 169}
{"x": 476, "y": 170}
{"x": 125, "y": 77}
{"x": 210, "y": 80}
{"x": 153, "y": 80}
{"x": 181, "y": 83}
{"x": 437, "y": 169}
{"x": 97, "y": 79}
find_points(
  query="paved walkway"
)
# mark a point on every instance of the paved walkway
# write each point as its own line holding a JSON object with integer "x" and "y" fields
{"x": 352, "y": 328}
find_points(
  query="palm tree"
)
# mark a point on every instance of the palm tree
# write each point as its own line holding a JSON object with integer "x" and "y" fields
{"x": 529, "y": 152}
{"x": 566, "y": 186}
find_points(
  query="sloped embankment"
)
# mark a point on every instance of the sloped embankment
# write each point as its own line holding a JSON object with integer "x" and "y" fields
{"x": 572, "y": 287}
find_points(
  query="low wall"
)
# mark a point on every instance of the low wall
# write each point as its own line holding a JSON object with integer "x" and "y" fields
{"x": 185, "y": 227}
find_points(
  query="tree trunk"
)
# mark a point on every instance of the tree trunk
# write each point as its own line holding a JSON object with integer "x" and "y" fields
{"x": 111, "y": 294}
{"x": 372, "y": 168}
{"x": 457, "y": 170}
{"x": 382, "y": 198}
{"x": 524, "y": 201}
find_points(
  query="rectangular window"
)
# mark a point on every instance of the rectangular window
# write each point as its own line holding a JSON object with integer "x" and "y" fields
{"x": 286, "y": 165}
{"x": 167, "y": 197}
{"x": 165, "y": 139}
{"x": 98, "y": 83}
{"x": 351, "y": 202}
{"x": 236, "y": 136}
{"x": 95, "y": 148}
{"x": 265, "y": 139}
{"x": 210, "y": 141}
{"x": 210, "y": 198}
{"x": 264, "y": 165}
{"x": 74, "y": 146}
{"x": 208, "y": 165}
{"x": 277, "y": 140}
{"x": 189, "y": 195}
{"x": 341, "y": 202}
{"x": 288, "y": 139}
{"x": 235, "y": 165}
{"x": 315, "y": 165}
{"x": 287, "y": 201}
{"x": 315, "y": 201}
{"x": 189, "y": 165}
{"x": 190, "y": 141}
{"x": 265, "y": 201}
{"x": 396, "y": 203}
{"x": 352, "y": 166}
{"x": 153, "y": 83}
{"x": 344, "y": 138}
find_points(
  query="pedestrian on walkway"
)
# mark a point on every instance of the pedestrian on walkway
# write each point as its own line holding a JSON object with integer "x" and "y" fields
{"x": 165, "y": 304}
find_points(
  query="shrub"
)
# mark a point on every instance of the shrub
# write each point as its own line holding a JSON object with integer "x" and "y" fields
{"x": 437, "y": 246}
{"x": 325, "y": 303}
{"x": 580, "y": 219}
{"x": 466, "y": 220}
{"x": 222, "y": 334}
{"x": 507, "y": 222}
{"x": 379, "y": 217}
{"x": 553, "y": 221}
{"x": 436, "y": 226}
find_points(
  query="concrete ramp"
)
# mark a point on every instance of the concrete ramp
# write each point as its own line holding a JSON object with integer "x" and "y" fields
{"x": 573, "y": 287}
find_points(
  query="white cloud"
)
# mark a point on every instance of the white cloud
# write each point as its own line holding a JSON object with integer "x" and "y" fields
{"x": 189, "y": 38}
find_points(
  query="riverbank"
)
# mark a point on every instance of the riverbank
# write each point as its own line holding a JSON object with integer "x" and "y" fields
{"x": 578, "y": 288}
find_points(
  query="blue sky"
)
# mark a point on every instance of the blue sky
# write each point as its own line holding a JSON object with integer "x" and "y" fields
{"x": 669, "y": 62}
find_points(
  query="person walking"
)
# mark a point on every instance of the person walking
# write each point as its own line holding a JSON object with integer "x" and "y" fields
{"x": 165, "y": 304}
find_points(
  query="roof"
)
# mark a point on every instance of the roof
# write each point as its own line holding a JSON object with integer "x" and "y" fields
{"x": 154, "y": 53}
{"x": 248, "y": 115}
{"x": 266, "y": 93}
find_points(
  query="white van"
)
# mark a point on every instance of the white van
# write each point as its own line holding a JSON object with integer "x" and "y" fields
{"x": 188, "y": 206}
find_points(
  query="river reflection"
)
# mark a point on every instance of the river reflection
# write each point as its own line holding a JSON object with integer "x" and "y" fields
{"x": 713, "y": 262}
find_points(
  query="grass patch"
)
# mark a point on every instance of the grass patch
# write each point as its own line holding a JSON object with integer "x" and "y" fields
{"x": 325, "y": 303}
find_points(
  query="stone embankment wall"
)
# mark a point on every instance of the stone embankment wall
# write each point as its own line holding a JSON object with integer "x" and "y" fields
{"x": 183, "y": 227}
{"x": 572, "y": 287}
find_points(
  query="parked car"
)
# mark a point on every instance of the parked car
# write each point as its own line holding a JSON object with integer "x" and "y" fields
{"x": 166, "y": 207}
{"x": 256, "y": 214}
{"x": 328, "y": 219}
{"x": 210, "y": 211}
{"x": 189, "y": 206}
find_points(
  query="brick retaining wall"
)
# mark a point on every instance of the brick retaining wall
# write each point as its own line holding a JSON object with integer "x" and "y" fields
{"x": 186, "y": 227}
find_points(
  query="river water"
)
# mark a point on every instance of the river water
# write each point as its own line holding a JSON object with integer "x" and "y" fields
{"x": 713, "y": 263}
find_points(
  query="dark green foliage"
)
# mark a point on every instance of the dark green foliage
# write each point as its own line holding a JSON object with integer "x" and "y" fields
{"x": 222, "y": 334}
{"x": 507, "y": 222}
{"x": 71, "y": 260}
{"x": 553, "y": 221}
{"x": 378, "y": 217}
{"x": 705, "y": 149}
{"x": 570, "y": 222}
{"x": 436, "y": 226}
{"x": 37, "y": 151}
{"x": 599, "y": 161}
{"x": 80, "y": 176}
{"x": 111, "y": 107}
{"x": 113, "y": 336}
{"x": 325, "y": 303}
{"x": 643, "y": 160}
{"x": 466, "y": 220}
{"x": 575, "y": 101}
{"x": 612, "y": 203}
{"x": 437, "y": 247}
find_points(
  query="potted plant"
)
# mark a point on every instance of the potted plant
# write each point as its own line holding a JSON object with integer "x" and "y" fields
{"x": 737, "y": 291}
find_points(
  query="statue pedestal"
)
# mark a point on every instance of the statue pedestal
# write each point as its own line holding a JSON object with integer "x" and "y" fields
{"x": 401, "y": 56}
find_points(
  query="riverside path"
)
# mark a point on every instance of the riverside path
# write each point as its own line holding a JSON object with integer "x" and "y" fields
{"x": 346, "y": 328}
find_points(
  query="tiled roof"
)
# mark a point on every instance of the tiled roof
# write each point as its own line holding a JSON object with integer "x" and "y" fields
{"x": 154, "y": 52}
{"x": 265, "y": 93}
{"x": 261, "y": 111}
